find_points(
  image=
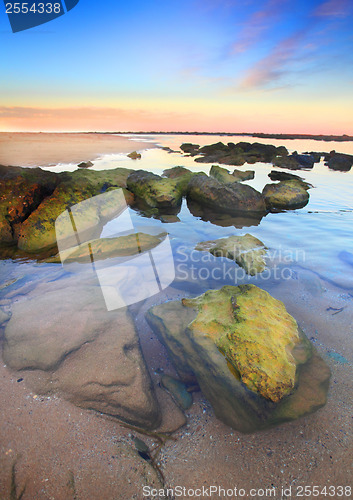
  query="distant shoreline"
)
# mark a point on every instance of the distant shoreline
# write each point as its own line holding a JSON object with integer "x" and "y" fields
{"x": 260, "y": 135}
{"x": 31, "y": 149}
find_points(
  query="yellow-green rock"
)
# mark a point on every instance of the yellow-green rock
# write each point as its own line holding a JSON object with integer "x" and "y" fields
{"x": 258, "y": 346}
{"x": 250, "y": 358}
{"x": 156, "y": 191}
{"x": 289, "y": 195}
{"x": 223, "y": 175}
{"x": 247, "y": 251}
{"x": 37, "y": 232}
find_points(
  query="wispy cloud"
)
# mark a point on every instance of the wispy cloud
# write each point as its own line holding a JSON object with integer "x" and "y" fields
{"x": 333, "y": 9}
{"x": 257, "y": 25}
{"x": 272, "y": 67}
{"x": 268, "y": 73}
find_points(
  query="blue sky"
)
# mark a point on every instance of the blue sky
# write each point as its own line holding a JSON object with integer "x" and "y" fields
{"x": 271, "y": 65}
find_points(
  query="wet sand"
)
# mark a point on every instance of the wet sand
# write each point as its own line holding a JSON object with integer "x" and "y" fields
{"x": 44, "y": 149}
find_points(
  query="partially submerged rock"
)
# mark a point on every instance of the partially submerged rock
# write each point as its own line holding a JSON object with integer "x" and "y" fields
{"x": 39, "y": 231}
{"x": 68, "y": 343}
{"x": 181, "y": 174}
{"x": 191, "y": 149}
{"x": 105, "y": 248}
{"x": 234, "y": 198}
{"x": 240, "y": 153}
{"x": 286, "y": 195}
{"x": 223, "y": 175}
{"x": 134, "y": 155}
{"x": 276, "y": 175}
{"x": 178, "y": 391}
{"x": 85, "y": 164}
{"x": 339, "y": 161}
{"x": 295, "y": 161}
{"x": 32, "y": 199}
{"x": 243, "y": 175}
{"x": 250, "y": 358}
{"x": 156, "y": 191}
{"x": 247, "y": 251}
{"x": 21, "y": 191}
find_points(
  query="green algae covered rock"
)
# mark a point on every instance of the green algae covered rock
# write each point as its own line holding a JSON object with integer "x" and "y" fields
{"x": 31, "y": 200}
{"x": 290, "y": 194}
{"x": 250, "y": 358}
{"x": 21, "y": 192}
{"x": 243, "y": 175}
{"x": 181, "y": 174}
{"x": 247, "y": 251}
{"x": 37, "y": 232}
{"x": 257, "y": 346}
{"x": 223, "y": 175}
{"x": 155, "y": 191}
{"x": 105, "y": 248}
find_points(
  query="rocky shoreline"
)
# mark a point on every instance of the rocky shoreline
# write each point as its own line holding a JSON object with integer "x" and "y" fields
{"x": 32, "y": 203}
{"x": 59, "y": 339}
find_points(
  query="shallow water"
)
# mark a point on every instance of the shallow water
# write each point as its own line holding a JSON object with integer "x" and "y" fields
{"x": 310, "y": 254}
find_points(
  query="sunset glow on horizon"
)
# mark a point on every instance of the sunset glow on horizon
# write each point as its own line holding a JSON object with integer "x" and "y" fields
{"x": 214, "y": 66}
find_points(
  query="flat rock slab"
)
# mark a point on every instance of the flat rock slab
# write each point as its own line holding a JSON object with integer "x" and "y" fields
{"x": 62, "y": 333}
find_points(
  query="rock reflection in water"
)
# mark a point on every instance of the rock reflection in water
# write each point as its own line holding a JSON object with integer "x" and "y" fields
{"x": 208, "y": 214}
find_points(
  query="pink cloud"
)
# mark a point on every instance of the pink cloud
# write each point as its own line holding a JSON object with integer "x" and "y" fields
{"x": 333, "y": 9}
{"x": 272, "y": 67}
{"x": 257, "y": 24}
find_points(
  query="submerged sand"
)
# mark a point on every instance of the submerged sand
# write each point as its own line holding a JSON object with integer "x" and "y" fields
{"x": 61, "y": 451}
{"x": 45, "y": 149}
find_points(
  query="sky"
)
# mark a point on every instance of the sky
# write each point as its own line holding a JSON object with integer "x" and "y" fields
{"x": 274, "y": 66}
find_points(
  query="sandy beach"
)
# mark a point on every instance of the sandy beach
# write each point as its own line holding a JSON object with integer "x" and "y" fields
{"x": 44, "y": 149}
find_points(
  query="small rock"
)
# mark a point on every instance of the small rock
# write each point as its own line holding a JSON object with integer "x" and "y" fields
{"x": 134, "y": 155}
{"x": 85, "y": 164}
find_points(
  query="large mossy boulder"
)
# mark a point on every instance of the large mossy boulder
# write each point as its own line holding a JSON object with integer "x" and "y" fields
{"x": 64, "y": 340}
{"x": 286, "y": 195}
{"x": 181, "y": 174}
{"x": 156, "y": 191}
{"x": 250, "y": 358}
{"x": 223, "y": 175}
{"x": 235, "y": 198}
{"x": 247, "y": 251}
{"x": 21, "y": 192}
{"x": 37, "y": 232}
{"x": 32, "y": 199}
